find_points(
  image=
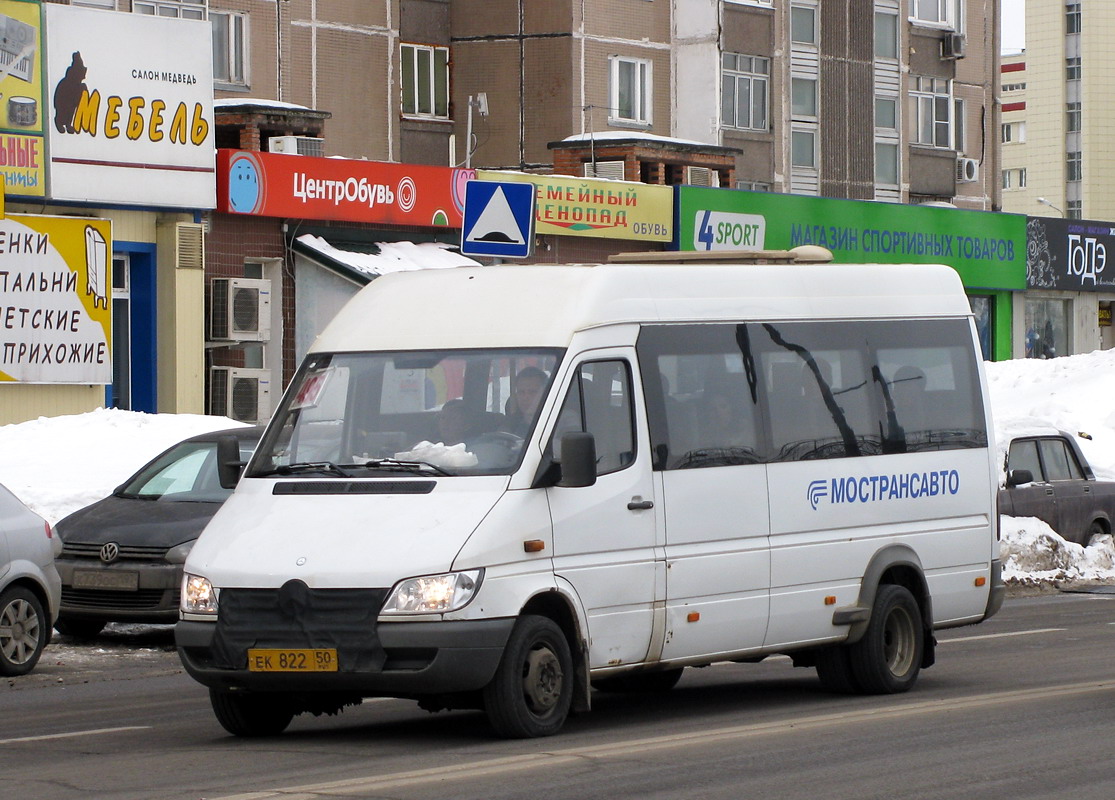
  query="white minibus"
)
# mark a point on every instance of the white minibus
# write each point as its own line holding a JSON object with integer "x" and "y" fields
{"x": 504, "y": 487}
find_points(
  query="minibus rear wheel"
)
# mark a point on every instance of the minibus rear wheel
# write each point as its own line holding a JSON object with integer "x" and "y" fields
{"x": 251, "y": 714}
{"x": 887, "y": 659}
{"x": 532, "y": 689}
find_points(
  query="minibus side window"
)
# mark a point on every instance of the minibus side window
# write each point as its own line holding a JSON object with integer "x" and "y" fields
{"x": 599, "y": 402}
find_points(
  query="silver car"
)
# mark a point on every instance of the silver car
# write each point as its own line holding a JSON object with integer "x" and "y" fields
{"x": 30, "y": 589}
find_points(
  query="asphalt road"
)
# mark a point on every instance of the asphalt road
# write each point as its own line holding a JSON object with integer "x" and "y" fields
{"x": 1022, "y": 706}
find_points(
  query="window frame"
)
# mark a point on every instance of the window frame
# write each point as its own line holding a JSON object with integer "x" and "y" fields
{"x": 237, "y": 64}
{"x": 929, "y": 102}
{"x": 753, "y": 79}
{"x": 161, "y": 8}
{"x": 641, "y": 90}
{"x": 439, "y": 108}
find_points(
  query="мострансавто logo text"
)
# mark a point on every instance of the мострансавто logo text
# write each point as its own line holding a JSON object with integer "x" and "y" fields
{"x": 876, "y": 488}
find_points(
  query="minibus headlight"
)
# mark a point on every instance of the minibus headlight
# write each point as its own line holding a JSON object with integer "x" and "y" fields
{"x": 198, "y": 595}
{"x": 433, "y": 594}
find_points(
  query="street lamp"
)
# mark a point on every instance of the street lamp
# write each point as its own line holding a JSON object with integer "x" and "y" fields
{"x": 1044, "y": 202}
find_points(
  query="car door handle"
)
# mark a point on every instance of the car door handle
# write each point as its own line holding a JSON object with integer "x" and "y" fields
{"x": 639, "y": 504}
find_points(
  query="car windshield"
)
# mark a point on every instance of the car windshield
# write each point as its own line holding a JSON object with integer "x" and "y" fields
{"x": 431, "y": 412}
{"x": 187, "y": 472}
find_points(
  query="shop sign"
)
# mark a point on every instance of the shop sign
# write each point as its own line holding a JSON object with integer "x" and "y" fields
{"x": 1070, "y": 254}
{"x": 597, "y": 208}
{"x": 55, "y": 300}
{"x": 988, "y": 250}
{"x": 130, "y": 111}
{"x": 351, "y": 190}
{"x": 22, "y": 143}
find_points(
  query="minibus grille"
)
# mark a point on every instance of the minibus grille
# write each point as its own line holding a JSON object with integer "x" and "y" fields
{"x": 296, "y": 616}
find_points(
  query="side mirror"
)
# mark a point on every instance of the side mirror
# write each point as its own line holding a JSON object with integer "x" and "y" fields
{"x": 229, "y": 465}
{"x": 1017, "y": 477}
{"x": 578, "y": 460}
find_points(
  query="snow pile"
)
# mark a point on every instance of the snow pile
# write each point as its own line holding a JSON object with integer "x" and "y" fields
{"x": 1033, "y": 553}
{"x": 57, "y": 465}
{"x": 392, "y": 256}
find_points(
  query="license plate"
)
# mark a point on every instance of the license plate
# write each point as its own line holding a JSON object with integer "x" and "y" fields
{"x": 106, "y": 579}
{"x": 302, "y": 660}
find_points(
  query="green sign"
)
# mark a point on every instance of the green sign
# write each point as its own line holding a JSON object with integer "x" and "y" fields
{"x": 987, "y": 249}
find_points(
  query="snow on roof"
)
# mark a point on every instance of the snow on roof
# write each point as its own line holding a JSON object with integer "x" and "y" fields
{"x": 224, "y": 102}
{"x": 625, "y": 135}
{"x": 392, "y": 256}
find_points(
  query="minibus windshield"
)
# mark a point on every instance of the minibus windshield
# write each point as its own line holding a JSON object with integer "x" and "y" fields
{"x": 429, "y": 412}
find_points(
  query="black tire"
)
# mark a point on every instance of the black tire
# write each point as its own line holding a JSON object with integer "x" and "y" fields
{"x": 531, "y": 692}
{"x": 251, "y": 714}
{"x": 887, "y": 659}
{"x": 79, "y": 628}
{"x": 834, "y": 668}
{"x": 24, "y": 631}
{"x": 641, "y": 682}
{"x": 1095, "y": 529}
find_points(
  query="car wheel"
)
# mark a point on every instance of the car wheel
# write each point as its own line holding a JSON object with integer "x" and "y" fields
{"x": 79, "y": 628}
{"x": 1095, "y": 529}
{"x": 887, "y": 659}
{"x": 23, "y": 631}
{"x": 532, "y": 689}
{"x": 640, "y": 682}
{"x": 251, "y": 714}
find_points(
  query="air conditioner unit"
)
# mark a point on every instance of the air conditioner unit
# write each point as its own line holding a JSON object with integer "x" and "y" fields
{"x": 953, "y": 46}
{"x": 967, "y": 170}
{"x": 240, "y": 309}
{"x": 612, "y": 170}
{"x": 702, "y": 176}
{"x": 296, "y": 145}
{"x": 242, "y": 394}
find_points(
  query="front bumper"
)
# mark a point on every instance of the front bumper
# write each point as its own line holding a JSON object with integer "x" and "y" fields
{"x": 418, "y": 659}
{"x": 154, "y": 600}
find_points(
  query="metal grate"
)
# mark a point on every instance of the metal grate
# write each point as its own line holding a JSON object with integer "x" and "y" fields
{"x": 107, "y": 599}
{"x": 83, "y": 550}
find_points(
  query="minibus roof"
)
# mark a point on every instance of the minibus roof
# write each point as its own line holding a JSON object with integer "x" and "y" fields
{"x": 543, "y": 306}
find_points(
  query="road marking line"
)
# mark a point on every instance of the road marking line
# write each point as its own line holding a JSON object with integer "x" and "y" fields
{"x": 96, "y": 732}
{"x": 378, "y": 784}
{"x": 1000, "y": 635}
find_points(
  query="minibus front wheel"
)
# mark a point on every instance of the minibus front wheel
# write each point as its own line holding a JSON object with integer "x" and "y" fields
{"x": 532, "y": 689}
{"x": 251, "y": 714}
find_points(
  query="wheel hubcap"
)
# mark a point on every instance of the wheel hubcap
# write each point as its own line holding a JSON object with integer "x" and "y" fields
{"x": 19, "y": 632}
{"x": 899, "y": 644}
{"x": 542, "y": 680}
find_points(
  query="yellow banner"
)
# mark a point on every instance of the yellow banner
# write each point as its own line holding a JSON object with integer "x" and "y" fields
{"x": 22, "y": 143}
{"x": 594, "y": 207}
{"x": 55, "y": 299}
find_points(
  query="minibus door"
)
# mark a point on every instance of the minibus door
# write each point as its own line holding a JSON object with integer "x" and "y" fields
{"x": 604, "y": 534}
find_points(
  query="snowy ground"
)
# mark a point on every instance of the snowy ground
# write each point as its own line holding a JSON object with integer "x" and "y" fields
{"x": 57, "y": 465}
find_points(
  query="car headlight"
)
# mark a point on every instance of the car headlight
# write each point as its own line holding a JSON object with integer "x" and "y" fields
{"x": 433, "y": 594}
{"x": 177, "y": 555}
{"x": 198, "y": 595}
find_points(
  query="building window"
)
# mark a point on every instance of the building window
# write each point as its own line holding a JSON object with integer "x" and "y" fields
{"x": 803, "y": 149}
{"x": 1047, "y": 327}
{"x": 1014, "y": 87}
{"x": 803, "y": 97}
{"x": 803, "y": 24}
{"x": 1072, "y": 117}
{"x": 753, "y": 186}
{"x": 940, "y": 12}
{"x": 1072, "y": 18}
{"x": 425, "y": 72}
{"x": 958, "y": 131}
{"x": 1013, "y": 132}
{"x": 109, "y": 4}
{"x": 184, "y": 9}
{"x": 1014, "y": 178}
{"x": 886, "y": 163}
{"x": 886, "y": 113}
{"x": 744, "y": 87}
{"x": 1074, "y": 209}
{"x": 630, "y": 90}
{"x": 931, "y": 112}
{"x": 886, "y": 35}
{"x": 1075, "y": 166}
{"x": 229, "y": 47}
{"x": 1072, "y": 69}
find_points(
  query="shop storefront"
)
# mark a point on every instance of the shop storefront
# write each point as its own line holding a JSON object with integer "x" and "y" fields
{"x": 1070, "y": 288}
{"x": 986, "y": 249}
{"x": 91, "y": 130}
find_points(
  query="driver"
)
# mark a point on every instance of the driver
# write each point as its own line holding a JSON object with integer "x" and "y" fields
{"x": 526, "y": 396}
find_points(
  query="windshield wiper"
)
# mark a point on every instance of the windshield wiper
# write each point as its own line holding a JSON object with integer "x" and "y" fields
{"x": 327, "y": 467}
{"x": 395, "y": 465}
